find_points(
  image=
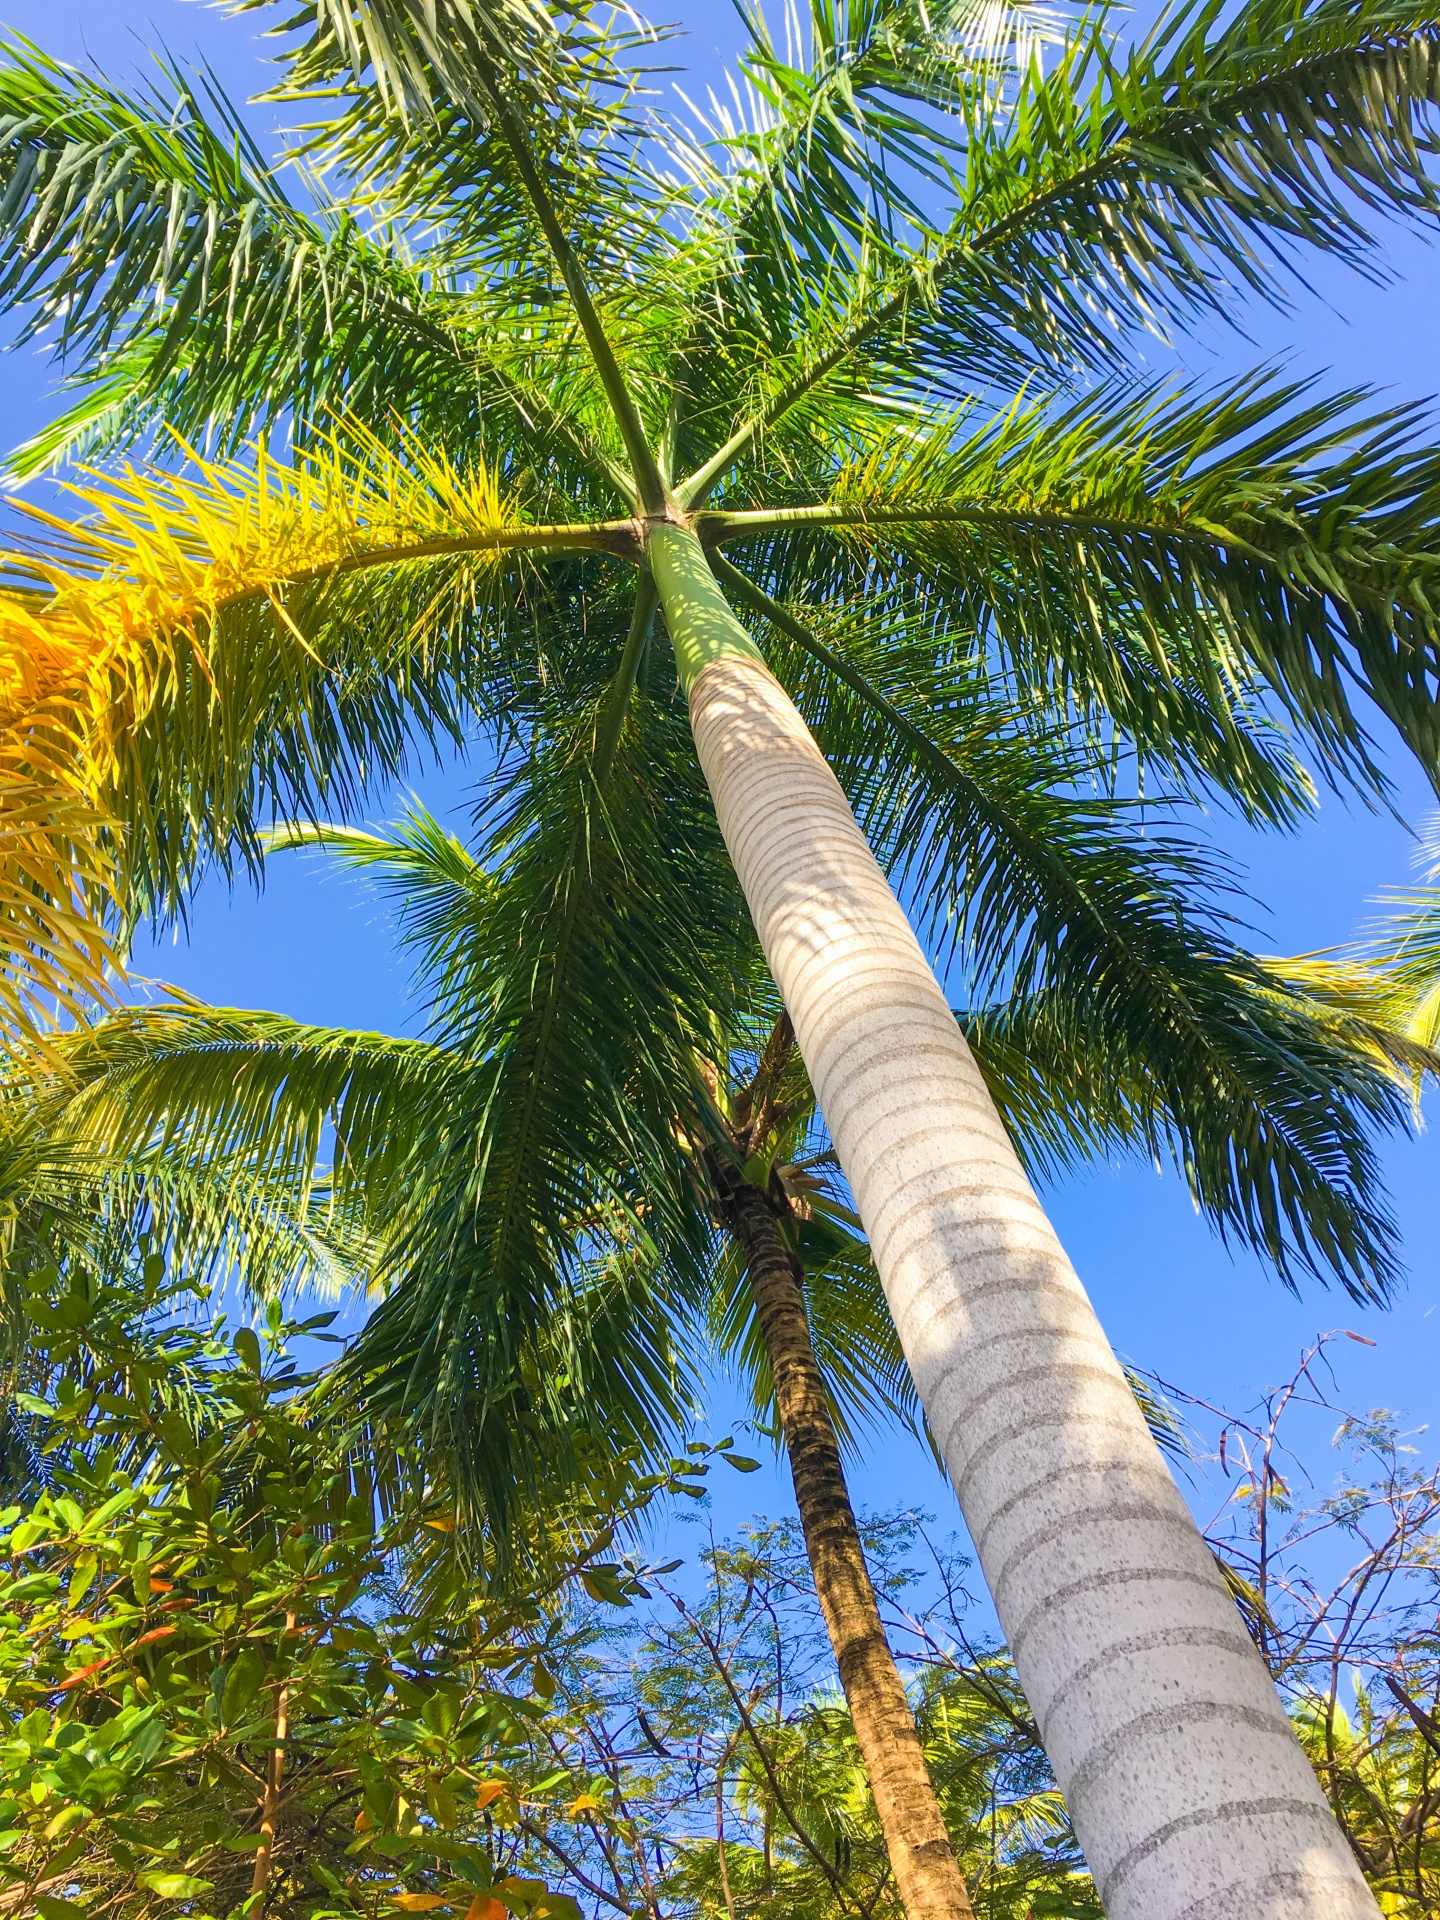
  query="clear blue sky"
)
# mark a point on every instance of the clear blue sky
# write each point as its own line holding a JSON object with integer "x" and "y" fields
{"x": 315, "y": 947}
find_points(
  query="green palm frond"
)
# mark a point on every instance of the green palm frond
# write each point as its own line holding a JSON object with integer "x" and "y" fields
{"x": 92, "y": 1185}
{"x": 419, "y": 55}
{"x": 361, "y": 1139}
{"x": 568, "y": 1185}
{"x": 154, "y": 247}
{"x": 1145, "y": 1023}
{"x": 442, "y": 897}
{"x": 1150, "y": 181}
{"x": 260, "y": 1096}
{"x": 1121, "y": 187}
{"x": 1267, "y": 1110}
{"x": 1169, "y": 563}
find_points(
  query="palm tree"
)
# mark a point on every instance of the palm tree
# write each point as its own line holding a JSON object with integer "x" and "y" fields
{"x": 793, "y": 1298}
{"x": 840, "y": 338}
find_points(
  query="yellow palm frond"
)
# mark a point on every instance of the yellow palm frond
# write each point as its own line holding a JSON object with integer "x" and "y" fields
{"x": 103, "y": 607}
{"x": 56, "y": 876}
{"x": 1376, "y": 1012}
{"x": 158, "y": 554}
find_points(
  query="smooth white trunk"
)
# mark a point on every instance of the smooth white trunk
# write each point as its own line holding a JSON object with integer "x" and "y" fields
{"x": 1189, "y": 1793}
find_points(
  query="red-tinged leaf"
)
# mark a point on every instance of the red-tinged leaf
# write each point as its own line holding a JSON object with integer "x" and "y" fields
{"x": 155, "y": 1633}
{"x": 85, "y": 1673}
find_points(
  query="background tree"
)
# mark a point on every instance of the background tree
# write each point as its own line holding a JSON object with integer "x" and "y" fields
{"x": 242, "y": 1672}
{"x": 726, "y": 1762}
{"x": 1338, "y": 1582}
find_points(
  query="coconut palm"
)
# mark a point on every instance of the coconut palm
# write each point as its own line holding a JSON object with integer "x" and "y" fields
{"x": 543, "y": 358}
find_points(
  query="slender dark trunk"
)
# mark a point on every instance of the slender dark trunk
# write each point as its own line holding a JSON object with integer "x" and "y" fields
{"x": 921, "y": 1856}
{"x": 270, "y": 1804}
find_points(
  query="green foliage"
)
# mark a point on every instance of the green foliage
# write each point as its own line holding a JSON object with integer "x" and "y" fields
{"x": 193, "y": 1562}
{"x": 922, "y": 214}
{"x": 725, "y": 1775}
{"x": 144, "y": 205}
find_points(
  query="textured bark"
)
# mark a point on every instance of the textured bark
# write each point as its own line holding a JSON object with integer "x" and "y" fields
{"x": 921, "y": 1857}
{"x": 1189, "y": 1793}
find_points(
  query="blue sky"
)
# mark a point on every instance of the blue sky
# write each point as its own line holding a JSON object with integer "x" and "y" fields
{"x": 315, "y": 946}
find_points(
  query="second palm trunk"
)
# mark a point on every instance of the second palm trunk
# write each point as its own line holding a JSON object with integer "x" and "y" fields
{"x": 922, "y": 1859}
{"x": 1187, "y": 1788}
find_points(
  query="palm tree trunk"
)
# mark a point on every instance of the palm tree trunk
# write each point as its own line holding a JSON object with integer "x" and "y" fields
{"x": 1187, "y": 1788}
{"x": 921, "y": 1856}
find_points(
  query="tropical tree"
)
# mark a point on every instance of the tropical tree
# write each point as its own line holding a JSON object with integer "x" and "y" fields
{"x": 838, "y": 337}
{"x": 720, "y": 1749}
{"x": 792, "y": 1294}
{"x": 241, "y": 1673}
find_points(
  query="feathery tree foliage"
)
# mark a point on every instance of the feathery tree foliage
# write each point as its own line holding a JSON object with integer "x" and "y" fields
{"x": 401, "y": 1153}
{"x": 904, "y": 214}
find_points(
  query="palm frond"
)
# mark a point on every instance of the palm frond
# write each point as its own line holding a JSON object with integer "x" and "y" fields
{"x": 1175, "y": 562}
{"x": 57, "y": 883}
{"x": 95, "y": 1177}
{"x": 419, "y": 54}
{"x": 1388, "y": 983}
{"x": 226, "y": 665}
{"x": 162, "y": 263}
{"x": 1139, "y": 187}
{"x": 441, "y": 894}
{"x": 568, "y": 1186}
{"x": 1113, "y": 190}
{"x": 1109, "y": 951}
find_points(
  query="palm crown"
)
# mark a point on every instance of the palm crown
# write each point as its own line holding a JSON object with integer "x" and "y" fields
{"x": 843, "y": 327}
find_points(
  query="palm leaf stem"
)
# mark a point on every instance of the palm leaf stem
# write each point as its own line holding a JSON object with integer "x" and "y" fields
{"x": 646, "y": 471}
{"x": 749, "y": 521}
{"x": 601, "y": 536}
{"x": 612, "y": 719}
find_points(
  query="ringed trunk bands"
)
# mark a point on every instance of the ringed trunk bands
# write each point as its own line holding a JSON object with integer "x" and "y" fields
{"x": 1189, "y": 1792}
